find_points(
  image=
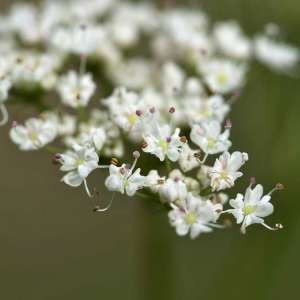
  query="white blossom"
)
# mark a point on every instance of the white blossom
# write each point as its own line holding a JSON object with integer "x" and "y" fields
{"x": 251, "y": 208}
{"x": 75, "y": 90}
{"x": 163, "y": 143}
{"x": 195, "y": 216}
{"x": 34, "y": 134}
{"x": 226, "y": 170}
{"x": 209, "y": 138}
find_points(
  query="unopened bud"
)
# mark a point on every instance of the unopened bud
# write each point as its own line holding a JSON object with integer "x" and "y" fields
{"x": 279, "y": 226}
{"x": 14, "y": 124}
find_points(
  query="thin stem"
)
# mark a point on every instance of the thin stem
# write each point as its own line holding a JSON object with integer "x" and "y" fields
{"x": 4, "y": 113}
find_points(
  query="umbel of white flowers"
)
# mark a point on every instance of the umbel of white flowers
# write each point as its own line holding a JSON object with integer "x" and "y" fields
{"x": 170, "y": 99}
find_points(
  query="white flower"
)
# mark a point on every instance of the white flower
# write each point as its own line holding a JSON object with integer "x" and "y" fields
{"x": 209, "y": 138}
{"x": 251, "y": 208}
{"x": 226, "y": 170}
{"x": 187, "y": 160}
{"x": 173, "y": 190}
{"x": 195, "y": 216}
{"x": 163, "y": 143}
{"x": 79, "y": 163}
{"x": 76, "y": 91}
{"x": 223, "y": 76}
{"x": 92, "y": 135}
{"x": 35, "y": 134}
{"x": 207, "y": 109}
{"x": 121, "y": 179}
{"x": 276, "y": 55}
{"x": 154, "y": 181}
{"x": 231, "y": 40}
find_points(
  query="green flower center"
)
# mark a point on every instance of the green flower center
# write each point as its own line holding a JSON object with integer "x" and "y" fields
{"x": 163, "y": 145}
{"x": 132, "y": 119}
{"x": 210, "y": 143}
{"x": 222, "y": 78}
{"x": 249, "y": 209}
{"x": 191, "y": 218}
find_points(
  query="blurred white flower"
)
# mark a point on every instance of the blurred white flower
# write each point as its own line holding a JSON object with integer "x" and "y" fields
{"x": 276, "y": 55}
{"x": 75, "y": 90}
{"x": 223, "y": 76}
{"x": 209, "y": 138}
{"x": 231, "y": 40}
{"x": 34, "y": 134}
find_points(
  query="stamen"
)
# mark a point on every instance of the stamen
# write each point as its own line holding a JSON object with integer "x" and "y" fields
{"x": 278, "y": 187}
{"x": 172, "y": 110}
{"x": 114, "y": 161}
{"x": 87, "y": 189}
{"x": 277, "y": 226}
{"x": 99, "y": 209}
{"x": 152, "y": 110}
{"x": 183, "y": 139}
{"x": 4, "y": 115}
{"x": 139, "y": 113}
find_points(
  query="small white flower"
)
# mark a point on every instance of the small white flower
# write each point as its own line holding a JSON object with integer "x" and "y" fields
{"x": 226, "y": 170}
{"x": 223, "y": 76}
{"x": 34, "y": 134}
{"x": 121, "y": 179}
{"x": 231, "y": 40}
{"x": 187, "y": 160}
{"x": 163, "y": 143}
{"x": 251, "y": 208}
{"x": 209, "y": 138}
{"x": 92, "y": 135}
{"x": 276, "y": 55}
{"x": 124, "y": 180}
{"x": 154, "y": 181}
{"x": 207, "y": 109}
{"x": 173, "y": 190}
{"x": 195, "y": 216}
{"x": 79, "y": 163}
{"x": 76, "y": 91}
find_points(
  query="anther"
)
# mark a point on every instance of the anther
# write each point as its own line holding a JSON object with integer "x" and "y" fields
{"x": 183, "y": 139}
{"x": 138, "y": 112}
{"x": 279, "y": 187}
{"x": 168, "y": 139}
{"x": 114, "y": 161}
{"x": 172, "y": 110}
{"x": 252, "y": 180}
{"x": 152, "y": 110}
{"x": 144, "y": 145}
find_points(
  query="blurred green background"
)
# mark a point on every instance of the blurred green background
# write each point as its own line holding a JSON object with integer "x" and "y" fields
{"x": 54, "y": 247}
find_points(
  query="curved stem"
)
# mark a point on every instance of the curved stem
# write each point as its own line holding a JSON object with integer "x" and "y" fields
{"x": 4, "y": 113}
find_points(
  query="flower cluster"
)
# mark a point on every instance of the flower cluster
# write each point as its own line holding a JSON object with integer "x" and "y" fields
{"x": 107, "y": 78}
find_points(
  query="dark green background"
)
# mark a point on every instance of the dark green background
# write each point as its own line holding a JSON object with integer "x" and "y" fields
{"x": 54, "y": 247}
